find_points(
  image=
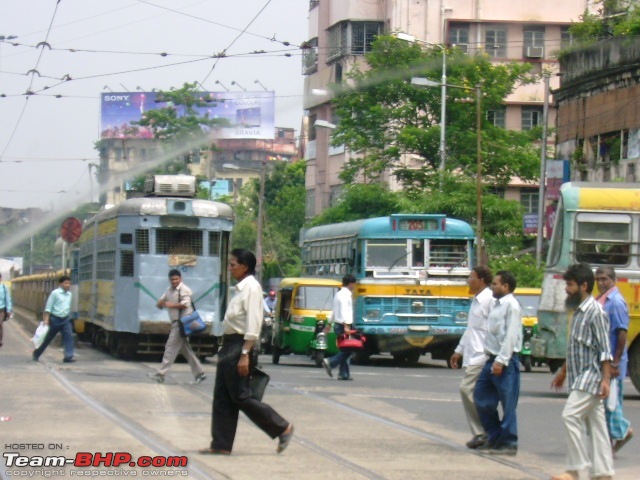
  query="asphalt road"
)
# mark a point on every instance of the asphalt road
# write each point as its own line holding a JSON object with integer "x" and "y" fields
{"x": 389, "y": 423}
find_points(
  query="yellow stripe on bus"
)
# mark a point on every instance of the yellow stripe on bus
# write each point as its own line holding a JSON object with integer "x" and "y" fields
{"x": 609, "y": 199}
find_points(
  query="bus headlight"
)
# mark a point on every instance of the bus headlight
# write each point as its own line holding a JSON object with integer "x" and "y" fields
{"x": 461, "y": 316}
{"x": 372, "y": 314}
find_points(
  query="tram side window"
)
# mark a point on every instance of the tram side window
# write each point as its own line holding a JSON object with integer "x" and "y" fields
{"x": 126, "y": 263}
{"x": 603, "y": 239}
{"x": 214, "y": 244}
{"x": 106, "y": 265}
{"x": 178, "y": 242}
{"x": 142, "y": 241}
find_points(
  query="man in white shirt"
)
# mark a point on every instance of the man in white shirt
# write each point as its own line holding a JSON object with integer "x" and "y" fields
{"x": 471, "y": 348}
{"x": 499, "y": 380}
{"x": 342, "y": 318}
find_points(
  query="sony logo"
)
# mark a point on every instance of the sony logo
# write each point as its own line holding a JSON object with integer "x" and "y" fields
{"x": 115, "y": 98}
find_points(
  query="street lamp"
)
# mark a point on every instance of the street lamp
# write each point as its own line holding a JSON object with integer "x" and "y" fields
{"x": 543, "y": 172}
{"x": 233, "y": 82}
{"x": 442, "y": 149}
{"x": 259, "y": 233}
{"x": 425, "y": 82}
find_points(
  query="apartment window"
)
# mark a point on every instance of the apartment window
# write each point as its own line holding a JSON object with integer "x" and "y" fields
{"x": 566, "y": 37}
{"x": 118, "y": 154}
{"x": 529, "y": 199}
{"x": 310, "y": 57}
{"x": 459, "y": 35}
{"x": 335, "y": 194}
{"x": 352, "y": 38}
{"x": 533, "y": 42}
{"x": 496, "y": 42}
{"x": 497, "y": 117}
{"x": 531, "y": 117}
{"x": 338, "y": 73}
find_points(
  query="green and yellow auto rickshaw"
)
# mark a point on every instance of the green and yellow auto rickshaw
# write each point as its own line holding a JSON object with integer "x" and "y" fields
{"x": 302, "y": 311}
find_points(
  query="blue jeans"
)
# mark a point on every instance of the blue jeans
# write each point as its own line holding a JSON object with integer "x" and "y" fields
{"x": 504, "y": 389}
{"x": 340, "y": 358}
{"x": 58, "y": 324}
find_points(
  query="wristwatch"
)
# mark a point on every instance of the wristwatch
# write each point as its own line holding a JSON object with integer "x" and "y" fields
{"x": 245, "y": 351}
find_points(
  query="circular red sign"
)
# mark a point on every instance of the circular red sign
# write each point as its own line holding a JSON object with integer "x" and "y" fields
{"x": 71, "y": 230}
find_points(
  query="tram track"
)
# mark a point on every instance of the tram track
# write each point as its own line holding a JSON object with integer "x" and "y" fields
{"x": 200, "y": 470}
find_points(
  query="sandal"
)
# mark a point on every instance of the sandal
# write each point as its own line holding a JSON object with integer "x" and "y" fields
{"x": 285, "y": 439}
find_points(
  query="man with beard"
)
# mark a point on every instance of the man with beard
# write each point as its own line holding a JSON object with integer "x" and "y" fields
{"x": 588, "y": 369}
{"x": 499, "y": 381}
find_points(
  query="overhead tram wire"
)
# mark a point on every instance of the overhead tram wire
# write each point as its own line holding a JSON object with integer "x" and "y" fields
{"x": 234, "y": 40}
{"x": 35, "y": 69}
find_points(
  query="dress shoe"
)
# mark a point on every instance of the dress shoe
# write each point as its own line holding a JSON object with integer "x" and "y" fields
{"x": 69, "y": 360}
{"x": 158, "y": 377}
{"x": 200, "y": 378}
{"x": 504, "y": 450}
{"x": 477, "y": 441}
{"x": 345, "y": 378}
{"x": 214, "y": 451}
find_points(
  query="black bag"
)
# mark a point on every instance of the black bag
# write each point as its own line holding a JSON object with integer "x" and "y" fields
{"x": 258, "y": 381}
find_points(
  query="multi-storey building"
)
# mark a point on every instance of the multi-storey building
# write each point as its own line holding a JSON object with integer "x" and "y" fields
{"x": 229, "y": 164}
{"x": 598, "y": 126}
{"x": 341, "y": 32}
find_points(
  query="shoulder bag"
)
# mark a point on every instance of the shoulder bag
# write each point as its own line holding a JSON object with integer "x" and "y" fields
{"x": 192, "y": 323}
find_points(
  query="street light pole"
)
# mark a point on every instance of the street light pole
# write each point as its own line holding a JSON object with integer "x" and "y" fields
{"x": 442, "y": 149}
{"x": 260, "y": 224}
{"x": 543, "y": 172}
{"x": 479, "y": 174}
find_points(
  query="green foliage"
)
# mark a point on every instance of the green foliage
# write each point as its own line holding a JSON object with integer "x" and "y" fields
{"x": 284, "y": 204}
{"x": 612, "y": 18}
{"x": 384, "y": 117}
{"x": 360, "y": 200}
{"x": 523, "y": 268}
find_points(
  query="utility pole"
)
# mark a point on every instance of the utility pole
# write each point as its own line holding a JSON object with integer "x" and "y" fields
{"x": 543, "y": 173}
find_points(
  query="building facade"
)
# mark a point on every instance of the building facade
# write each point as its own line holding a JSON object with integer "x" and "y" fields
{"x": 598, "y": 126}
{"x": 226, "y": 166}
{"x": 341, "y": 33}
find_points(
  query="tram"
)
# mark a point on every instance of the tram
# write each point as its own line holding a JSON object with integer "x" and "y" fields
{"x": 124, "y": 257}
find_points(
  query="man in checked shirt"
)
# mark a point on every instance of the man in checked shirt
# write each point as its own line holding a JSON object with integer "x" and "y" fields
{"x": 588, "y": 369}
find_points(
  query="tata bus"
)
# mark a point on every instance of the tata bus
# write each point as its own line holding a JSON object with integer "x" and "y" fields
{"x": 598, "y": 224}
{"x": 411, "y": 295}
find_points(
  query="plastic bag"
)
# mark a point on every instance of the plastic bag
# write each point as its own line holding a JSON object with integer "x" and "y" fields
{"x": 41, "y": 332}
{"x": 612, "y": 399}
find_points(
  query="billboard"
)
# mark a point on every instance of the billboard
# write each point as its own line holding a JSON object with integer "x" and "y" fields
{"x": 247, "y": 114}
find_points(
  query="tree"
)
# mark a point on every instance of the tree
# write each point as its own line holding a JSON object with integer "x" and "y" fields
{"x": 384, "y": 118}
{"x": 284, "y": 216}
{"x": 612, "y": 18}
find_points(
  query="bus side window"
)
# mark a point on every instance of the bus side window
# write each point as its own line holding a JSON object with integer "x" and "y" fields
{"x": 417, "y": 251}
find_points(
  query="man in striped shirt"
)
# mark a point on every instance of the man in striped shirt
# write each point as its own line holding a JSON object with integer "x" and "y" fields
{"x": 588, "y": 369}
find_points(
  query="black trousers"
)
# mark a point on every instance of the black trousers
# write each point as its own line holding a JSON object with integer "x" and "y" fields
{"x": 231, "y": 395}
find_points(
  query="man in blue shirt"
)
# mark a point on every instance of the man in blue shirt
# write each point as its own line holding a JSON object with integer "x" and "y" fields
{"x": 56, "y": 315}
{"x": 614, "y": 305}
{"x": 5, "y": 305}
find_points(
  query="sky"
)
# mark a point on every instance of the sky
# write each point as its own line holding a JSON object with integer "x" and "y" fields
{"x": 67, "y": 53}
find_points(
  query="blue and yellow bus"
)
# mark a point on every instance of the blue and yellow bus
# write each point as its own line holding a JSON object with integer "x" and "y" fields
{"x": 598, "y": 224}
{"x": 411, "y": 295}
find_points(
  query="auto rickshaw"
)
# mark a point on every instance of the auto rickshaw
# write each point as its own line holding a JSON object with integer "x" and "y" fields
{"x": 302, "y": 311}
{"x": 529, "y": 299}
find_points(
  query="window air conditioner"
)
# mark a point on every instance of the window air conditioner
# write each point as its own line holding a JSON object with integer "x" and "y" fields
{"x": 535, "y": 52}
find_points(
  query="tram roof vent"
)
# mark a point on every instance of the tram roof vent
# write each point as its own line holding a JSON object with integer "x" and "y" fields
{"x": 170, "y": 186}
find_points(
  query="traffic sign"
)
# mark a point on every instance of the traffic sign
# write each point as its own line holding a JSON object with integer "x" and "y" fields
{"x": 71, "y": 230}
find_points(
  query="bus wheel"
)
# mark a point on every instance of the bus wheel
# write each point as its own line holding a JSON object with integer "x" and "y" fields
{"x": 275, "y": 355}
{"x": 526, "y": 363}
{"x": 634, "y": 363}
